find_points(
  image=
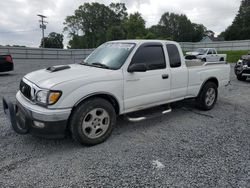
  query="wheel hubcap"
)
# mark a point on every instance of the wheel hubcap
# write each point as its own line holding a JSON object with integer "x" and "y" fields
{"x": 96, "y": 123}
{"x": 210, "y": 96}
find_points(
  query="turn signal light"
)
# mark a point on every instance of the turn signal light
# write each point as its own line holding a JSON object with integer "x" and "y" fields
{"x": 54, "y": 97}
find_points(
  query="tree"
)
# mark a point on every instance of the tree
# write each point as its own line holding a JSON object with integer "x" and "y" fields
{"x": 134, "y": 26}
{"x": 97, "y": 22}
{"x": 240, "y": 28}
{"x": 199, "y": 32}
{"x": 179, "y": 28}
{"x": 54, "y": 40}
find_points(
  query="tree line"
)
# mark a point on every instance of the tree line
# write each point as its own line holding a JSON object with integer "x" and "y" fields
{"x": 240, "y": 28}
{"x": 93, "y": 24}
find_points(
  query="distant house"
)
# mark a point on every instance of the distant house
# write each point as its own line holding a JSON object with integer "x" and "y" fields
{"x": 211, "y": 39}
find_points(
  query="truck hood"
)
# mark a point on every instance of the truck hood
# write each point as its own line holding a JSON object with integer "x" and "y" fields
{"x": 245, "y": 57}
{"x": 45, "y": 78}
{"x": 193, "y": 53}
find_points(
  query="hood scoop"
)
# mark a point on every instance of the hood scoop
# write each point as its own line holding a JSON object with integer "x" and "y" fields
{"x": 58, "y": 68}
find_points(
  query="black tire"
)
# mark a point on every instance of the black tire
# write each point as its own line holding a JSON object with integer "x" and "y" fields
{"x": 82, "y": 112}
{"x": 241, "y": 78}
{"x": 221, "y": 59}
{"x": 201, "y": 100}
{"x": 204, "y": 60}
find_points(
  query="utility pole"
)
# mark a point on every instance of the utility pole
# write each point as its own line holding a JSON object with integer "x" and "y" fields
{"x": 42, "y": 26}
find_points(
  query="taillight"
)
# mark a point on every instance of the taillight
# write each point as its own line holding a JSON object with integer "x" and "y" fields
{"x": 9, "y": 58}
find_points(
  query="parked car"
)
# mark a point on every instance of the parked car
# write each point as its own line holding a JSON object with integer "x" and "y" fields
{"x": 206, "y": 54}
{"x": 118, "y": 78}
{"x": 242, "y": 67}
{"x": 6, "y": 63}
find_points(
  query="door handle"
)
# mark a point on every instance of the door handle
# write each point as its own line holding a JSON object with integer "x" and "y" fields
{"x": 165, "y": 76}
{"x": 133, "y": 80}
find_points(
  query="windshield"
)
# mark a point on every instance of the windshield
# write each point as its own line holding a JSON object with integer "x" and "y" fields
{"x": 110, "y": 55}
{"x": 201, "y": 51}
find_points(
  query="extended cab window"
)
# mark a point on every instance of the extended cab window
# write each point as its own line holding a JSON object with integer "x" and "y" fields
{"x": 174, "y": 56}
{"x": 210, "y": 52}
{"x": 152, "y": 56}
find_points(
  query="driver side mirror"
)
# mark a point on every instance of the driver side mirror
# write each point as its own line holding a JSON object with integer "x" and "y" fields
{"x": 137, "y": 67}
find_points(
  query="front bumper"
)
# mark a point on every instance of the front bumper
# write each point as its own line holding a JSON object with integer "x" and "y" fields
{"x": 26, "y": 117}
{"x": 243, "y": 71}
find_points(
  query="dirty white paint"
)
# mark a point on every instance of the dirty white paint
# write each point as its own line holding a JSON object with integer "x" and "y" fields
{"x": 158, "y": 165}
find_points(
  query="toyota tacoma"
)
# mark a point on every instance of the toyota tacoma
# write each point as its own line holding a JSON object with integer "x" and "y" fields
{"x": 117, "y": 78}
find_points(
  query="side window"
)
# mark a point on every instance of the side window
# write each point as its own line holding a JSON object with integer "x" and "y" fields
{"x": 152, "y": 56}
{"x": 174, "y": 56}
{"x": 214, "y": 52}
{"x": 210, "y": 52}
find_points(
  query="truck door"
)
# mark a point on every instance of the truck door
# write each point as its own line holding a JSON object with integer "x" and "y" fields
{"x": 215, "y": 56}
{"x": 179, "y": 73}
{"x": 210, "y": 56}
{"x": 142, "y": 89}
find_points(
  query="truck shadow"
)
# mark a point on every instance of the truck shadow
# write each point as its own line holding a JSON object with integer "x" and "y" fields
{"x": 123, "y": 127}
{"x": 7, "y": 74}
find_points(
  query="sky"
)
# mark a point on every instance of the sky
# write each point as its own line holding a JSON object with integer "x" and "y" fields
{"x": 19, "y": 22}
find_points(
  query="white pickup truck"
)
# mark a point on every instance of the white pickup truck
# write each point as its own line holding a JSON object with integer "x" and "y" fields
{"x": 119, "y": 77}
{"x": 206, "y": 54}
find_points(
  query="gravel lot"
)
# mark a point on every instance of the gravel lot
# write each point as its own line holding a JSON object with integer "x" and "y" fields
{"x": 186, "y": 148}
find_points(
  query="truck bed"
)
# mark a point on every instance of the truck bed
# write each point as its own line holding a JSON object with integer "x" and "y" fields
{"x": 196, "y": 62}
{"x": 198, "y": 71}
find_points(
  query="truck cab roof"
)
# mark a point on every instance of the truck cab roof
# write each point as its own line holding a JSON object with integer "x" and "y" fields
{"x": 140, "y": 41}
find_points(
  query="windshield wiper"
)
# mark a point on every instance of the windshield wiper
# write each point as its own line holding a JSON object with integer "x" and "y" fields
{"x": 100, "y": 65}
{"x": 82, "y": 62}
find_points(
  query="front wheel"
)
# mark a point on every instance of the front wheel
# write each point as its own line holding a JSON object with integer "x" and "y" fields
{"x": 92, "y": 122}
{"x": 204, "y": 59}
{"x": 241, "y": 78}
{"x": 208, "y": 96}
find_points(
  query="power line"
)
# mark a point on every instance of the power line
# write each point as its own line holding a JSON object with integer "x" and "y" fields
{"x": 42, "y": 26}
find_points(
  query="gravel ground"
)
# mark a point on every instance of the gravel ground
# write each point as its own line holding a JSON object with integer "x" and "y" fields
{"x": 186, "y": 148}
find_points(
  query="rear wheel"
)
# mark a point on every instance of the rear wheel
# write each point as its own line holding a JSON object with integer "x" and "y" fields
{"x": 221, "y": 59}
{"x": 208, "y": 96}
{"x": 92, "y": 122}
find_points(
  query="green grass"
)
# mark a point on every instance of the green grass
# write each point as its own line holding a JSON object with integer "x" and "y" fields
{"x": 233, "y": 56}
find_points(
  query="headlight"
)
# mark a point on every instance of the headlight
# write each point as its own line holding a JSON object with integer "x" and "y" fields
{"x": 46, "y": 97}
{"x": 239, "y": 62}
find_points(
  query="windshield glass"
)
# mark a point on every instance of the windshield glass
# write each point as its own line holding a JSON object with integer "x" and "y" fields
{"x": 201, "y": 50}
{"x": 110, "y": 55}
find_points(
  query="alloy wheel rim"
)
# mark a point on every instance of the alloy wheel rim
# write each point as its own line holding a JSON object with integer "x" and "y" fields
{"x": 96, "y": 123}
{"x": 210, "y": 96}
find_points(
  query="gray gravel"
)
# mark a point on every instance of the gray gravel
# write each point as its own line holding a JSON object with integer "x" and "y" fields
{"x": 186, "y": 148}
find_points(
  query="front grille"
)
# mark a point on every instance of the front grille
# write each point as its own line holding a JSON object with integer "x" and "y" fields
{"x": 246, "y": 62}
{"x": 25, "y": 89}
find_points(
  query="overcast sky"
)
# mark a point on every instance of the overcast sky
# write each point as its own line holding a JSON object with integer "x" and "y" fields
{"x": 19, "y": 23}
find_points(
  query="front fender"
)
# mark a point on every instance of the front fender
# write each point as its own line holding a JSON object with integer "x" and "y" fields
{"x": 112, "y": 87}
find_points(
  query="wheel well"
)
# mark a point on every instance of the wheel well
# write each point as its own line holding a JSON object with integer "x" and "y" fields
{"x": 213, "y": 80}
{"x": 107, "y": 97}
